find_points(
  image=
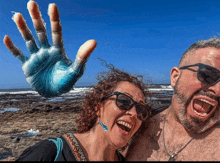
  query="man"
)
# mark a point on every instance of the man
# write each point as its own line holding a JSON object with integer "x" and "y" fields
{"x": 188, "y": 130}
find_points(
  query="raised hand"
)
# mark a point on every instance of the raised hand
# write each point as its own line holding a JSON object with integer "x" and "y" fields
{"x": 48, "y": 69}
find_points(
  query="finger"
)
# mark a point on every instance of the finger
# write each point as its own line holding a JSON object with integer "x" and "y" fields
{"x": 39, "y": 24}
{"x": 82, "y": 56}
{"x": 85, "y": 50}
{"x": 56, "y": 28}
{"x": 25, "y": 32}
{"x": 14, "y": 49}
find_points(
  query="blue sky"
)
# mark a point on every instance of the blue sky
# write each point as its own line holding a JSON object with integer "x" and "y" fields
{"x": 140, "y": 37}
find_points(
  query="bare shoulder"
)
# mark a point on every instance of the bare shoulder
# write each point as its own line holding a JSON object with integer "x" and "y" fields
{"x": 146, "y": 142}
{"x": 212, "y": 138}
{"x": 205, "y": 147}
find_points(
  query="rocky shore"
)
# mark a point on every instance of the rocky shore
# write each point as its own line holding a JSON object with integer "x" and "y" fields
{"x": 52, "y": 119}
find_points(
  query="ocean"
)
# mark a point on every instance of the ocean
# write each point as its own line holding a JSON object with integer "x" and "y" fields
{"x": 161, "y": 93}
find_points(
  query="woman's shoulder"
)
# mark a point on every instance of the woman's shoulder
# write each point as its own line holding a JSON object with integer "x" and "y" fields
{"x": 44, "y": 150}
{"x": 120, "y": 156}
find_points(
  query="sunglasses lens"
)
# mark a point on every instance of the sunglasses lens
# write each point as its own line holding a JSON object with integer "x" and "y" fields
{"x": 208, "y": 75}
{"x": 142, "y": 112}
{"x": 139, "y": 108}
{"x": 123, "y": 102}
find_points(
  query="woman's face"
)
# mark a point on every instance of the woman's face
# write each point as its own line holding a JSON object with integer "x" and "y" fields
{"x": 122, "y": 125}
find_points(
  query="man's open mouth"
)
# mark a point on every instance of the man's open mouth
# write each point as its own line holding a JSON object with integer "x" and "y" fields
{"x": 202, "y": 107}
{"x": 124, "y": 126}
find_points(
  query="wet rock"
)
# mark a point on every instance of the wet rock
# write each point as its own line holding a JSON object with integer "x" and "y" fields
{"x": 34, "y": 110}
{"x": 48, "y": 110}
{"x": 7, "y": 156}
{"x": 56, "y": 109}
{"x": 16, "y": 140}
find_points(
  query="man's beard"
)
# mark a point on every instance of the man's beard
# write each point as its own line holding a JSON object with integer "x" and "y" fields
{"x": 191, "y": 123}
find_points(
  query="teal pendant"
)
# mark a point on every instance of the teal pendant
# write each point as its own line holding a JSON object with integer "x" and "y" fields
{"x": 105, "y": 128}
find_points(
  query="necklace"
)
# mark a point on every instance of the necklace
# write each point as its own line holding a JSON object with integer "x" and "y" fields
{"x": 176, "y": 153}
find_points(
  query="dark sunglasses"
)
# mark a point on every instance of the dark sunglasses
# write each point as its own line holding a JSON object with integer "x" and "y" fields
{"x": 124, "y": 102}
{"x": 206, "y": 74}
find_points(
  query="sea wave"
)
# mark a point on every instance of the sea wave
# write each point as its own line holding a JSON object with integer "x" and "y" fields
{"x": 80, "y": 90}
{"x": 14, "y": 91}
{"x": 160, "y": 93}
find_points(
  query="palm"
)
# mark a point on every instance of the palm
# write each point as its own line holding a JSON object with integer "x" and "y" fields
{"x": 48, "y": 70}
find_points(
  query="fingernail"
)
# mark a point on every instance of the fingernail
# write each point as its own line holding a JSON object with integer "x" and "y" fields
{"x": 13, "y": 16}
{"x": 50, "y": 4}
{"x": 29, "y": 2}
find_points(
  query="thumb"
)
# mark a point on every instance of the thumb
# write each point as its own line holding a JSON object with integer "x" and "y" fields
{"x": 85, "y": 50}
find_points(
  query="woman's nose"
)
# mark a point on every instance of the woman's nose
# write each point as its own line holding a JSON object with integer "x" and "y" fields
{"x": 133, "y": 111}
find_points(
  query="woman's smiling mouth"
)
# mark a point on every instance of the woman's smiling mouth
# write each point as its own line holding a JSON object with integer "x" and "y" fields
{"x": 124, "y": 125}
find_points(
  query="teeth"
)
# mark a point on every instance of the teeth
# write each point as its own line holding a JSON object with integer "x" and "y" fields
{"x": 124, "y": 124}
{"x": 208, "y": 102}
{"x": 200, "y": 114}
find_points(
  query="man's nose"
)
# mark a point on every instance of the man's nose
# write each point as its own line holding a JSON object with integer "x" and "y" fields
{"x": 215, "y": 89}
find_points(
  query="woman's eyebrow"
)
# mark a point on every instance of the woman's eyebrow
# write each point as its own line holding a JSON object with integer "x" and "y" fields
{"x": 141, "y": 101}
{"x": 128, "y": 94}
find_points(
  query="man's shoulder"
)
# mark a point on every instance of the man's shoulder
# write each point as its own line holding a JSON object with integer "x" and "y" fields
{"x": 153, "y": 125}
{"x": 213, "y": 133}
{"x": 143, "y": 146}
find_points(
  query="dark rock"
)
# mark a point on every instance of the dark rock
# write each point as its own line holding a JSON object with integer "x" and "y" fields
{"x": 6, "y": 155}
{"x": 56, "y": 109}
{"x": 35, "y": 110}
{"x": 48, "y": 106}
{"x": 16, "y": 140}
{"x": 48, "y": 110}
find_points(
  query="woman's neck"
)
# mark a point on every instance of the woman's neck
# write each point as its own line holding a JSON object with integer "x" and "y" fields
{"x": 95, "y": 146}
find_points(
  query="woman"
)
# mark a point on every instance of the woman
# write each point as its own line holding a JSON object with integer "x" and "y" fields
{"x": 111, "y": 114}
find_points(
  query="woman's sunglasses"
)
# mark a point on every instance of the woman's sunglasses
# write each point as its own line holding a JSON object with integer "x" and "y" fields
{"x": 124, "y": 102}
{"x": 206, "y": 74}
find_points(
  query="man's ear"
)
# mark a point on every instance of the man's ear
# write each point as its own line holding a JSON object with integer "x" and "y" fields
{"x": 174, "y": 75}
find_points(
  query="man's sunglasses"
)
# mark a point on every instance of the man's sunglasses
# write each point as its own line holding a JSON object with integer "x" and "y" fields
{"x": 206, "y": 74}
{"x": 124, "y": 102}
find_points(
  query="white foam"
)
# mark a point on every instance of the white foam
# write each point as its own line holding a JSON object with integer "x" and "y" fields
{"x": 161, "y": 89}
{"x": 75, "y": 90}
{"x": 9, "y": 109}
{"x": 33, "y": 132}
{"x": 79, "y": 91}
{"x": 166, "y": 86}
{"x": 19, "y": 92}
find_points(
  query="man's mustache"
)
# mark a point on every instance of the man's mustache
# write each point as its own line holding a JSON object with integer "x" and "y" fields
{"x": 208, "y": 94}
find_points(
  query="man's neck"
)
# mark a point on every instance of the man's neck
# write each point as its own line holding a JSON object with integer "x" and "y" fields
{"x": 174, "y": 127}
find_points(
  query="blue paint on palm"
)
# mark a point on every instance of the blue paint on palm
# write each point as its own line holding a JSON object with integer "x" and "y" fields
{"x": 50, "y": 72}
{"x": 105, "y": 128}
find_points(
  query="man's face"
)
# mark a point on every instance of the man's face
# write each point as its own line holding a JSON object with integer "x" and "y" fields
{"x": 196, "y": 104}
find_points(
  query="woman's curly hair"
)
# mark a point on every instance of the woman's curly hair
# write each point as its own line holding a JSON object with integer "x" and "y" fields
{"x": 107, "y": 83}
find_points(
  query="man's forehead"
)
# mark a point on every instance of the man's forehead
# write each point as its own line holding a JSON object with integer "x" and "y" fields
{"x": 209, "y": 53}
{"x": 204, "y": 55}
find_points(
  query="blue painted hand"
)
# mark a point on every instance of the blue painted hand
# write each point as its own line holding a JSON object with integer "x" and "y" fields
{"x": 48, "y": 69}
